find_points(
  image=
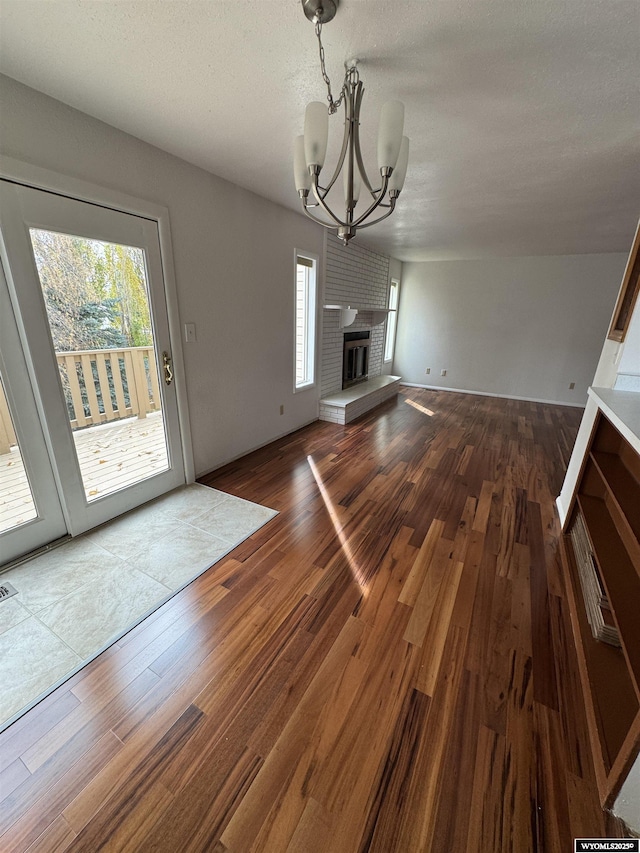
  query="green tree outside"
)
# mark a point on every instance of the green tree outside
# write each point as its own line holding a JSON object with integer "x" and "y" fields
{"x": 95, "y": 292}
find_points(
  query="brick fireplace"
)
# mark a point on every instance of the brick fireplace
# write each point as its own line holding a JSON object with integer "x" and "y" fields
{"x": 353, "y": 276}
{"x": 356, "y": 277}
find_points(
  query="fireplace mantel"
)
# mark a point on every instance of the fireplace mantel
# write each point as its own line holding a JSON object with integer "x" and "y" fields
{"x": 348, "y": 313}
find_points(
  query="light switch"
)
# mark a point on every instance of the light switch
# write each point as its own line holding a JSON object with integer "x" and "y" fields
{"x": 189, "y": 333}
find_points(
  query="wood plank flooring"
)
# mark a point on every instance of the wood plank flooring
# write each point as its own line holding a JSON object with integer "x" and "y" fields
{"x": 386, "y": 666}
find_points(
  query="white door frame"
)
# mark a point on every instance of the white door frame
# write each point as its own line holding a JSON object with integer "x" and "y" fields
{"x": 44, "y": 179}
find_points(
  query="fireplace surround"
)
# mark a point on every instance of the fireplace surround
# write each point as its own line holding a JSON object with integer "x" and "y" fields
{"x": 355, "y": 358}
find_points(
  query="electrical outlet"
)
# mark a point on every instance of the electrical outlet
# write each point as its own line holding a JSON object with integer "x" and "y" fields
{"x": 443, "y": 373}
{"x": 428, "y": 370}
{"x": 189, "y": 333}
{"x": 572, "y": 385}
{"x": 282, "y": 409}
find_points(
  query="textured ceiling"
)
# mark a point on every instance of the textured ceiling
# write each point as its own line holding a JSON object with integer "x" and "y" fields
{"x": 523, "y": 114}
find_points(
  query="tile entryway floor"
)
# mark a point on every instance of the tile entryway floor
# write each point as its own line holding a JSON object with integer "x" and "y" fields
{"x": 77, "y": 599}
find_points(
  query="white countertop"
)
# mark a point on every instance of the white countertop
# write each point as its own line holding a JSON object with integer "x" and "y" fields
{"x": 623, "y": 410}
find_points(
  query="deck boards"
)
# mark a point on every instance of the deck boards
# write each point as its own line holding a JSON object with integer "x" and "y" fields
{"x": 389, "y": 668}
{"x": 111, "y": 456}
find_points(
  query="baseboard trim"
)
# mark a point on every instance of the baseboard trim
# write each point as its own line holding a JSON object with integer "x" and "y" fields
{"x": 257, "y": 447}
{"x": 494, "y": 394}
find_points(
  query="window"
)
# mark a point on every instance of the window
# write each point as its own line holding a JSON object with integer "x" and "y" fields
{"x": 305, "y": 352}
{"x": 390, "y": 339}
{"x": 628, "y": 295}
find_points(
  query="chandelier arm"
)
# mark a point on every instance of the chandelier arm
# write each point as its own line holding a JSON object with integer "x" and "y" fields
{"x": 343, "y": 152}
{"x": 391, "y": 207}
{"x": 323, "y": 203}
{"x": 351, "y": 165}
{"x": 376, "y": 203}
{"x": 356, "y": 134}
{"x": 318, "y": 221}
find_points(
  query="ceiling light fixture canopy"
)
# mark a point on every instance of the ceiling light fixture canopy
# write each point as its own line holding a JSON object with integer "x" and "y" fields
{"x": 311, "y": 148}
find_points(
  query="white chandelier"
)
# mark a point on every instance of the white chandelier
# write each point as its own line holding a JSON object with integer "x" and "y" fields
{"x": 310, "y": 149}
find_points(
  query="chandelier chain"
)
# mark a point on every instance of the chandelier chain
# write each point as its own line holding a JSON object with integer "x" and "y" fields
{"x": 333, "y": 105}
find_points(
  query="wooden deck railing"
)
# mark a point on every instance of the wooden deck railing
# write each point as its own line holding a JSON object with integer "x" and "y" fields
{"x": 99, "y": 386}
{"x": 107, "y": 385}
{"x": 7, "y": 435}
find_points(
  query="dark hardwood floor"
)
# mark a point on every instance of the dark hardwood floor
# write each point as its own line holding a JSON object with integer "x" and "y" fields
{"x": 386, "y": 666}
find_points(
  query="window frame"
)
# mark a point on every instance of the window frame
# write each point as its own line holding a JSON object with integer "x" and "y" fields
{"x": 391, "y": 326}
{"x": 628, "y": 295}
{"x": 311, "y": 320}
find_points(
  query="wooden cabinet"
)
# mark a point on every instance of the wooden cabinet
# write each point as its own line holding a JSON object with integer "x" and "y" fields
{"x": 607, "y": 503}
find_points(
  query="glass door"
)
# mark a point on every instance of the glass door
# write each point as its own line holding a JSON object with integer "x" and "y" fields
{"x": 30, "y": 510}
{"x": 86, "y": 282}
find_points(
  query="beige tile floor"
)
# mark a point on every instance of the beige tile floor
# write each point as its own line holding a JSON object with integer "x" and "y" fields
{"x": 77, "y": 599}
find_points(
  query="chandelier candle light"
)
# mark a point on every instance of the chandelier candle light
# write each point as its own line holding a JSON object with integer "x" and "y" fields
{"x": 310, "y": 149}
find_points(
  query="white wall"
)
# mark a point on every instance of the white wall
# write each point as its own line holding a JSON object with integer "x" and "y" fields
{"x": 234, "y": 265}
{"x": 630, "y": 359}
{"x": 604, "y": 377}
{"x": 521, "y": 327}
{"x": 628, "y": 378}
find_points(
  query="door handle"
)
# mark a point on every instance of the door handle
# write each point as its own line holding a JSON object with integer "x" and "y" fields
{"x": 167, "y": 366}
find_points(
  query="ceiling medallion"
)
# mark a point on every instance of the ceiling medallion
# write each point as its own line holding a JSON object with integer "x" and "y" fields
{"x": 310, "y": 149}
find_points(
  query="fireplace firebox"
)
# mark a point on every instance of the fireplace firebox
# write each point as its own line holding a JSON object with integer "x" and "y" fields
{"x": 355, "y": 358}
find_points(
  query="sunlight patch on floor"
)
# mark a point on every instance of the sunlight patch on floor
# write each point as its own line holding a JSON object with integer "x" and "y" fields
{"x": 335, "y": 520}
{"x": 420, "y": 408}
